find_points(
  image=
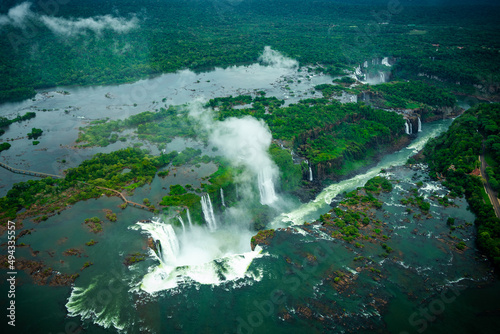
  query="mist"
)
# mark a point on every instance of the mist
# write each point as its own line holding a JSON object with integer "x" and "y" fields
{"x": 19, "y": 16}
{"x": 245, "y": 143}
{"x": 274, "y": 58}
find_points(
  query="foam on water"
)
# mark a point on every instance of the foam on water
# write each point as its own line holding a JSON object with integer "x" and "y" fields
{"x": 86, "y": 303}
{"x": 202, "y": 257}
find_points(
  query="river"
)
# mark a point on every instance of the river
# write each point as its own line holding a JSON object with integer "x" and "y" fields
{"x": 217, "y": 284}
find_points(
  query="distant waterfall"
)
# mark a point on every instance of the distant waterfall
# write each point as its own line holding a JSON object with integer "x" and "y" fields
{"x": 310, "y": 174}
{"x": 182, "y": 224}
{"x": 222, "y": 197}
{"x": 411, "y": 127}
{"x": 208, "y": 212}
{"x": 382, "y": 76}
{"x": 189, "y": 219}
{"x": 419, "y": 125}
{"x": 385, "y": 61}
{"x": 358, "y": 72}
{"x": 266, "y": 187}
{"x": 407, "y": 128}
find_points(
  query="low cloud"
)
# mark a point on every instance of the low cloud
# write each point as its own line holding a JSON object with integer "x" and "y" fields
{"x": 16, "y": 16}
{"x": 274, "y": 58}
{"x": 71, "y": 27}
{"x": 19, "y": 16}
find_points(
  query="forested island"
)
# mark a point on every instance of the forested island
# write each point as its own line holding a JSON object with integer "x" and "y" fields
{"x": 270, "y": 166}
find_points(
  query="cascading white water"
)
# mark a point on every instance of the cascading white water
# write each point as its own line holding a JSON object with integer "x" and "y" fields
{"x": 407, "y": 128}
{"x": 222, "y": 197}
{"x": 182, "y": 223}
{"x": 205, "y": 258}
{"x": 365, "y": 64}
{"x": 266, "y": 187}
{"x": 166, "y": 241}
{"x": 358, "y": 72}
{"x": 419, "y": 125}
{"x": 310, "y": 174}
{"x": 411, "y": 127}
{"x": 208, "y": 212}
{"x": 382, "y": 76}
{"x": 385, "y": 61}
{"x": 189, "y": 219}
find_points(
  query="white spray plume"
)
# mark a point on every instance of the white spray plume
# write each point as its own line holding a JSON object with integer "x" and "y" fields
{"x": 18, "y": 15}
{"x": 276, "y": 59}
{"x": 245, "y": 143}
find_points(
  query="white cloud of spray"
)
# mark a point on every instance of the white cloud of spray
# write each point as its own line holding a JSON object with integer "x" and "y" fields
{"x": 274, "y": 58}
{"x": 245, "y": 143}
{"x": 19, "y": 15}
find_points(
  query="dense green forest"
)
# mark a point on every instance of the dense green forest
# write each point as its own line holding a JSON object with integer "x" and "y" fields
{"x": 453, "y": 157}
{"x": 168, "y": 35}
{"x": 327, "y": 133}
{"x": 413, "y": 94}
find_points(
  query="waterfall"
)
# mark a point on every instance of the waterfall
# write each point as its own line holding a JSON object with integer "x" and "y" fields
{"x": 411, "y": 127}
{"x": 208, "y": 212}
{"x": 166, "y": 241}
{"x": 382, "y": 76}
{"x": 358, "y": 72}
{"x": 222, "y": 197}
{"x": 189, "y": 219}
{"x": 365, "y": 64}
{"x": 310, "y": 174}
{"x": 182, "y": 223}
{"x": 385, "y": 61}
{"x": 419, "y": 125}
{"x": 407, "y": 128}
{"x": 266, "y": 187}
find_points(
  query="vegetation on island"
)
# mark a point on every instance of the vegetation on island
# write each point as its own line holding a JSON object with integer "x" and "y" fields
{"x": 263, "y": 237}
{"x": 178, "y": 196}
{"x": 131, "y": 259}
{"x": 101, "y": 174}
{"x": 4, "y": 146}
{"x": 159, "y": 127}
{"x": 35, "y": 133}
{"x": 5, "y": 122}
{"x": 354, "y": 213}
{"x": 94, "y": 224}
